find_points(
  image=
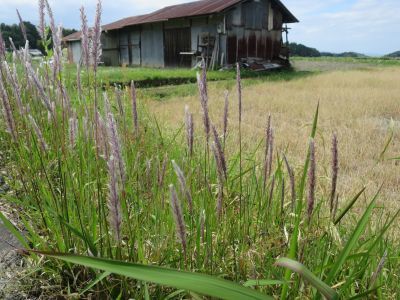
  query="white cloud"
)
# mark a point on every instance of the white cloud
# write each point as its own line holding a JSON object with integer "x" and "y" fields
{"x": 368, "y": 26}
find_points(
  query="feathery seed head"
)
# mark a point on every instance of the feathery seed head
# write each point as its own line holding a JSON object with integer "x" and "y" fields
{"x": 38, "y": 133}
{"x": 189, "y": 130}
{"x": 42, "y": 24}
{"x": 202, "y": 85}
{"x": 114, "y": 205}
{"x": 7, "y": 111}
{"x": 85, "y": 38}
{"x": 22, "y": 26}
{"x": 178, "y": 216}
{"x": 184, "y": 188}
{"x": 115, "y": 144}
{"x": 221, "y": 162}
{"x": 311, "y": 181}
{"x": 96, "y": 37}
{"x": 335, "y": 169}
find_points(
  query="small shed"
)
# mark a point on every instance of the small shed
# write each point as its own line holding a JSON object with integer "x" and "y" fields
{"x": 220, "y": 31}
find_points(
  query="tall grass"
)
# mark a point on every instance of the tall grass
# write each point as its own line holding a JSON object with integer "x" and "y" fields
{"x": 96, "y": 175}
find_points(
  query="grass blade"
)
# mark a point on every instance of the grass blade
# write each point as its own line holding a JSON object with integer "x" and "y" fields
{"x": 299, "y": 208}
{"x": 358, "y": 231}
{"x": 307, "y": 275}
{"x": 98, "y": 278}
{"x": 262, "y": 282}
{"x": 10, "y": 227}
{"x": 199, "y": 283}
{"x": 348, "y": 207}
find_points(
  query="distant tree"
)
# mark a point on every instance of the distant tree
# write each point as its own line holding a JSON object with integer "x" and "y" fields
{"x": 14, "y": 31}
{"x": 67, "y": 31}
{"x": 328, "y": 54}
{"x": 301, "y": 50}
{"x": 351, "y": 54}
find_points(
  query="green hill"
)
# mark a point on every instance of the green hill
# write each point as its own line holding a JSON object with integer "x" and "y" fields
{"x": 302, "y": 50}
{"x": 394, "y": 54}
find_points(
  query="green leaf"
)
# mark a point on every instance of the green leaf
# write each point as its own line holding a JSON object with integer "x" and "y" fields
{"x": 11, "y": 228}
{"x": 307, "y": 275}
{"x": 263, "y": 282}
{"x": 199, "y": 283}
{"x": 348, "y": 207}
{"x": 294, "y": 238}
{"x": 98, "y": 278}
{"x": 358, "y": 231}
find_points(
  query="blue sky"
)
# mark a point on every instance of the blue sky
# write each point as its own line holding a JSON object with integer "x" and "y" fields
{"x": 367, "y": 26}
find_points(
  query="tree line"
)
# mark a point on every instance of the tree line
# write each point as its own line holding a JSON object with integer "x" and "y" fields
{"x": 14, "y": 32}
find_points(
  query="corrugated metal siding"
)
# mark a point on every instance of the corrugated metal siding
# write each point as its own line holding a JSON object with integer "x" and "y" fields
{"x": 110, "y": 55}
{"x": 123, "y": 48}
{"x": 247, "y": 34}
{"x": 76, "y": 51}
{"x": 152, "y": 45}
{"x": 135, "y": 37}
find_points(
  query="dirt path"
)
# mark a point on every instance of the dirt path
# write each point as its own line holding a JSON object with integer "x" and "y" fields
{"x": 11, "y": 263}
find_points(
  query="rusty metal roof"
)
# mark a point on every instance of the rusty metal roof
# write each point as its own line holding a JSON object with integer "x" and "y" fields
{"x": 76, "y": 36}
{"x": 191, "y": 9}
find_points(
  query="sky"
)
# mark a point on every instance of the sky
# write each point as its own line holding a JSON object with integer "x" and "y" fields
{"x": 366, "y": 26}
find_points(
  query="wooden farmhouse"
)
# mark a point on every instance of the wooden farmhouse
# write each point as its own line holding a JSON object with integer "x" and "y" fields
{"x": 221, "y": 31}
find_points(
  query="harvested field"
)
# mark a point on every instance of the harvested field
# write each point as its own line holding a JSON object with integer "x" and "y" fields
{"x": 361, "y": 106}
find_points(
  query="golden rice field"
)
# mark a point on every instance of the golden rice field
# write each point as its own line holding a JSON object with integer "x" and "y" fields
{"x": 361, "y": 106}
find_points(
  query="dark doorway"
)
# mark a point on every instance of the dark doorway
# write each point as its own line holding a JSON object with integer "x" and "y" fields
{"x": 177, "y": 40}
